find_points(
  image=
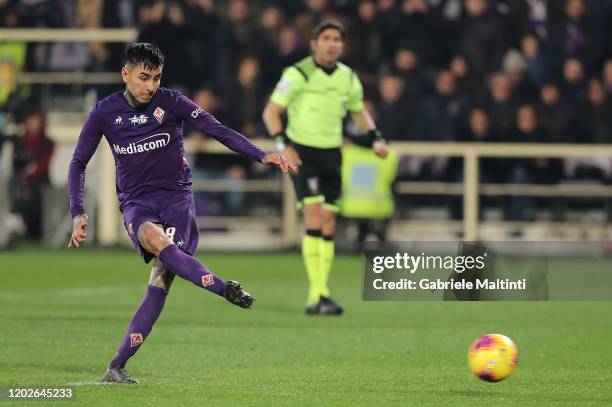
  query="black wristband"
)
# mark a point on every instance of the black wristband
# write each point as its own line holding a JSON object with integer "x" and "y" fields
{"x": 281, "y": 140}
{"x": 375, "y": 135}
{"x": 280, "y": 137}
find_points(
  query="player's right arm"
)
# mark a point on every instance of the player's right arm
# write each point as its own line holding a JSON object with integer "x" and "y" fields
{"x": 285, "y": 92}
{"x": 90, "y": 137}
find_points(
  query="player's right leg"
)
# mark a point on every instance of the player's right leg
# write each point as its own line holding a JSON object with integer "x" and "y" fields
{"x": 154, "y": 240}
{"x": 311, "y": 250}
{"x": 329, "y": 164}
{"x": 141, "y": 325}
{"x": 310, "y": 200}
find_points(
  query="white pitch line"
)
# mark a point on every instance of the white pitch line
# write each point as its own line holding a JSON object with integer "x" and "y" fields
{"x": 88, "y": 384}
{"x": 69, "y": 292}
{"x": 82, "y": 292}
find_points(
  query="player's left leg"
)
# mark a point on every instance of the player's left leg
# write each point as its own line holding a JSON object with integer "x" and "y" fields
{"x": 327, "y": 246}
{"x": 155, "y": 241}
{"x": 142, "y": 323}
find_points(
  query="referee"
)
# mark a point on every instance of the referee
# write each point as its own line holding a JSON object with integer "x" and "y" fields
{"x": 316, "y": 93}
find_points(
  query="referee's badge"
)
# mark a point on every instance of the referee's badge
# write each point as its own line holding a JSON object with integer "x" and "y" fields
{"x": 283, "y": 86}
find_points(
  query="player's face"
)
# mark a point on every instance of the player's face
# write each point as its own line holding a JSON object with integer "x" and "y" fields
{"x": 142, "y": 83}
{"x": 328, "y": 47}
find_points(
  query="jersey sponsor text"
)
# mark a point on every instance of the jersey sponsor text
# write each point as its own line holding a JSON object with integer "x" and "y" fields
{"x": 147, "y": 144}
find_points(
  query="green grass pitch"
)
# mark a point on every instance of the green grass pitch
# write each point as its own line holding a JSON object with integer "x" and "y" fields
{"x": 63, "y": 314}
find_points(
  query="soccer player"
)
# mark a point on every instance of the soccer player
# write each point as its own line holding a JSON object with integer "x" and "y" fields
{"x": 317, "y": 92}
{"x": 144, "y": 127}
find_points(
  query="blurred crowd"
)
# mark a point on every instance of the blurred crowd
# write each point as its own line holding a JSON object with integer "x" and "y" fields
{"x": 433, "y": 70}
{"x": 26, "y": 157}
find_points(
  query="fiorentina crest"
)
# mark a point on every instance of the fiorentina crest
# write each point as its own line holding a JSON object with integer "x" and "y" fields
{"x": 207, "y": 280}
{"x": 159, "y": 114}
{"x": 135, "y": 339}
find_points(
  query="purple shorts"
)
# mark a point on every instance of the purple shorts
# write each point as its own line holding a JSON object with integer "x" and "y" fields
{"x": 174, "y": 210}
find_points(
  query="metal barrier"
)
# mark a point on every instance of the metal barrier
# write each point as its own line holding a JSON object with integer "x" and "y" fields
{"x": 121, "y": 35}
{"x": 69, "y": 34}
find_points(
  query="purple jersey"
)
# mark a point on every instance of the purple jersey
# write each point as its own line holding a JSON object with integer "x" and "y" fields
{"x": 147, "y": 144}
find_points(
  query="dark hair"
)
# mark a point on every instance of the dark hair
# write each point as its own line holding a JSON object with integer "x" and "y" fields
{"x": 144, "y": 53}
{"x": 480, "y": 107}
{"x": 326, "y": 25}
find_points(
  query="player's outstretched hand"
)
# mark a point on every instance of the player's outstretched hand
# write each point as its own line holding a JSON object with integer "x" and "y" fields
{"x": 380, "y": 148}
{"x": 291, "y": 153}
{"x": 281, "y": 161}
{"x": 79, "y": 231}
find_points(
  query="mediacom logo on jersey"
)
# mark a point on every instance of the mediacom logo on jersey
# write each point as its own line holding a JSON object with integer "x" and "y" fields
{"x": 147, "y": 144}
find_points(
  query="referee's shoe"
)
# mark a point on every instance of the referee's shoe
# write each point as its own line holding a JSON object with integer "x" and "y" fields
{"x": 325, "y": 306}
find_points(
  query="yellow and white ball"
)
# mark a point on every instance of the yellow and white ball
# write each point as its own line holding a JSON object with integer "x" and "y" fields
{"x": 493, "y": 357}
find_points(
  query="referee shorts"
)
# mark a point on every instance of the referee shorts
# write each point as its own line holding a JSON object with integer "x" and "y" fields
{"x": 319, "y": 178}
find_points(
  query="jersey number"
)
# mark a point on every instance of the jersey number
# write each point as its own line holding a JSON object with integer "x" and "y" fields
{"x": 170, "y": 233}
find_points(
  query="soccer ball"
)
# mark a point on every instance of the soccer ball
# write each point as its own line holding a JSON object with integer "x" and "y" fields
{"x": 493, "y": 357}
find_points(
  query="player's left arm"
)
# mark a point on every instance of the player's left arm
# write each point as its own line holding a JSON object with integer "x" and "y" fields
{"x": 366, "y": 124}
{"x": 207, "y": 123}
{"x": 363, "y": 118}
